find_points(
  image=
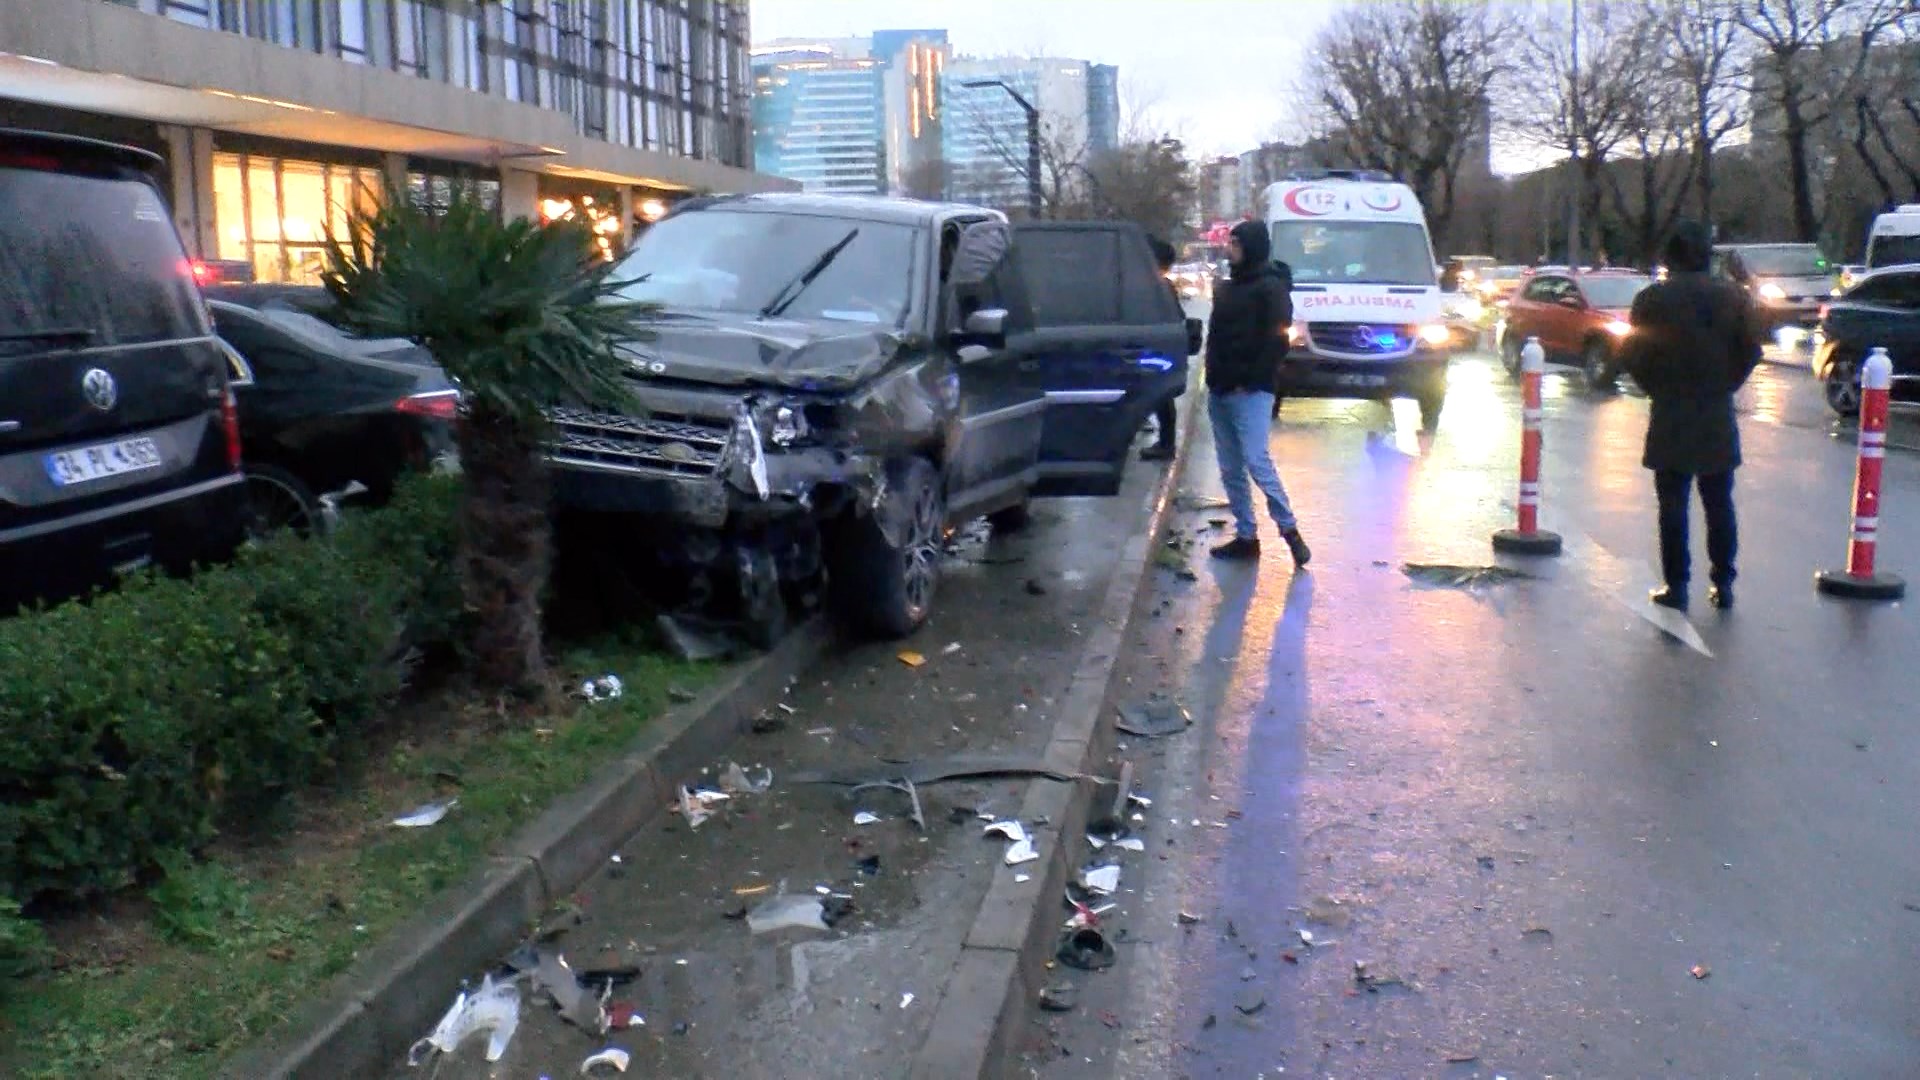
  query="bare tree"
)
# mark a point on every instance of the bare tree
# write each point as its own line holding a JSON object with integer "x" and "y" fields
{"x": 1648, "y": 193}
{"x": 1149, "y": 182}
{"x": 1584, "y": 94}
{"x": 929, "y": 179}
{"x": 1407, "y": 86}
{"x": 1063, "y": 154}
{"x": 1814, "y": 54}
{"x": 1701, "y": 41}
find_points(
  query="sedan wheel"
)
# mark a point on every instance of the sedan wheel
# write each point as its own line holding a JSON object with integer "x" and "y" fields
{"x": 1842, "y": 388}
{"x": 1510, "y": 353}
{"x": 278, "y": 500}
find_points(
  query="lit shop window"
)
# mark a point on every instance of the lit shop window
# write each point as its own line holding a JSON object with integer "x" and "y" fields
{"x": 602, "y": 214}
{"x": 276, "y": 214}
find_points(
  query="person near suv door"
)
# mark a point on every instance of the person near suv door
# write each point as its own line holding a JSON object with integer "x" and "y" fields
{"x": 1694, "y": 343}
{"x": 1166, "y": 413}
{"x": 1246, "y": 342}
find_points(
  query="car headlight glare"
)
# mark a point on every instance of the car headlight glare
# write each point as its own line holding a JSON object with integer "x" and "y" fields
{"x": 1772, "y": 293}
{"x": 1619, "y": 328}
{"x": 1434, "y": 334}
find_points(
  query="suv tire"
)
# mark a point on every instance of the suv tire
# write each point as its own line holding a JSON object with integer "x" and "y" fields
{"x": 885, "y": 565}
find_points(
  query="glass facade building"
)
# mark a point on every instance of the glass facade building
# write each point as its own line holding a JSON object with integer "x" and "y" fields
{"x": 278, "y": 117}
{"x": 820, "y": 120}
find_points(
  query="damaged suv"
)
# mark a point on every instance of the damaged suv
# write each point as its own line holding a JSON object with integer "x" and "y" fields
{"x": 830, "y": 385}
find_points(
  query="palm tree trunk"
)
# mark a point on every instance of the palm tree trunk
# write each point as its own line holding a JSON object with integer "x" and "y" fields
{"x": 508, "y": 547}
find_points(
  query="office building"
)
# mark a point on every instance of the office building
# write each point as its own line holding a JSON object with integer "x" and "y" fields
{"x": 985, "y": 137}
{"x": 276, "y": 116}
{"x": 819, "y": 119}
{"x": 850, "y": 115}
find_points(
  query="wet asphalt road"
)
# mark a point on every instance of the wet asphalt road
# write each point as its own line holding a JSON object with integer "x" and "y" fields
{"x": 1530, "y": 811}
{"x": 719, "y": 1001}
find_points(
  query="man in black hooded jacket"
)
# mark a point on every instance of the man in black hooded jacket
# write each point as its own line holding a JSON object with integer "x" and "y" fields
{"x": 1694, "y": 342}
{"x": 1246, "y": 342}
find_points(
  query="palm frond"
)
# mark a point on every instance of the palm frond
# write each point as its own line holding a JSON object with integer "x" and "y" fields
{"x": 523, "y": 315}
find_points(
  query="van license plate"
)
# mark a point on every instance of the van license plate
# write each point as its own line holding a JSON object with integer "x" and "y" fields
{"x": 1363, "y": 380}
{"x": 70, "y": 467}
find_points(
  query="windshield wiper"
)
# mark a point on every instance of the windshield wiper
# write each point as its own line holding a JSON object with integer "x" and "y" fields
{"x": 62, "y": 335}
{"x": 791, "y": 291}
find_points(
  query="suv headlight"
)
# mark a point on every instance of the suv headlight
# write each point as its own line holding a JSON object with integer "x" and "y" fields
{"x": 1772, "y": 293}
{"x": 789, "y": 425}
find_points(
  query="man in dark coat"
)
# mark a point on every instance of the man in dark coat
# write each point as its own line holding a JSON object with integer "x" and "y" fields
{"x": 1246, "y": 342}
{"x": 1694, "y": 343}
{"x": 1162, "y": 448}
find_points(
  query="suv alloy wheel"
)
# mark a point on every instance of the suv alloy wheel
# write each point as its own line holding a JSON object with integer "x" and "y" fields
{"x": 886, "y": 565}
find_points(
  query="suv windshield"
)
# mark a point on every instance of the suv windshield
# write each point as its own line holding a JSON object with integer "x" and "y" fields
{"x": 89, "y": 261}
{"x": 1613, "y": 292}
{"x": 1893, "y": 250}
{"x": 743, "y": 261}
{"x": 1354, "y": 252}
{"x": 1785, "y": 262}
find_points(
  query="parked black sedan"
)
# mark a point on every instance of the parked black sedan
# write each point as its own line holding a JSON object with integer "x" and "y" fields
{"x": 321, "y": 410}
{"x": 1881, "y": 310}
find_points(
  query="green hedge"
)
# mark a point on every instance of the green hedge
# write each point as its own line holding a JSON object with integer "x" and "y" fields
{"x": 135, "y": 724}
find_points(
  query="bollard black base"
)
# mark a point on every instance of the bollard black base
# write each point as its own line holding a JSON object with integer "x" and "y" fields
{"x": 1515, "y": 542}
{"x": 1848, "y": 587}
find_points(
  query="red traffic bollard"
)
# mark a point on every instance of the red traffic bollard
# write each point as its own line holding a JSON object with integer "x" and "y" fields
{"x": 1529, "y": 538}
{"x": 1860, "y": 581}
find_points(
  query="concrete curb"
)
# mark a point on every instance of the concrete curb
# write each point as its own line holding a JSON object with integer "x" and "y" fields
{"x": 1002, "y": 965}
{"x": 393, "y": 994}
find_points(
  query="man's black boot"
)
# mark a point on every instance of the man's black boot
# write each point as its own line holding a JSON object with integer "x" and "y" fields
{"x": 1157, "y": 452}
{"x": 1297, "y": 544}
{"x": 1721, "y": 596}
{"x": 1240, "y": 548}
{"x": 1669, "y": 597}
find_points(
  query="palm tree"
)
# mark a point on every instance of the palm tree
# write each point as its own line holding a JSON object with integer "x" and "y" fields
{"x": 522, "y": 316}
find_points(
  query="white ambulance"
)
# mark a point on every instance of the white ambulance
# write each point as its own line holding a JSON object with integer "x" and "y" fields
{"x": 1894, "y": 239}
{"x": 1367, "y": 307}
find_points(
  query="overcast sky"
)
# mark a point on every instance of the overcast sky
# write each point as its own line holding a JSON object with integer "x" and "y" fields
{"x": 1215, "y": 72}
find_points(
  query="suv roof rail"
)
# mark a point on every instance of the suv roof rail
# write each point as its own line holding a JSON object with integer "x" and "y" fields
{"x": 119, "y": 153}
{"x": 1370, "y": 176}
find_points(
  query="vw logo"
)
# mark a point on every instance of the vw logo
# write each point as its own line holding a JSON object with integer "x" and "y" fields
{"x": 100, "y": 390}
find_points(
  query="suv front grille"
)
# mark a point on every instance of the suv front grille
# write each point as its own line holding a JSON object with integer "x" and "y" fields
{"x": 657, "y": 444}
{"x": 1364, "y": 339}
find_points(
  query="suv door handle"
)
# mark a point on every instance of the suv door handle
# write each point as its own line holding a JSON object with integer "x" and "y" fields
{"x": 8, "y": 427}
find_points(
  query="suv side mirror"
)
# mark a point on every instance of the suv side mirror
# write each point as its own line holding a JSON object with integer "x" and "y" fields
{"x": 1196, "y": 334}
{"x": 988, "y": 327}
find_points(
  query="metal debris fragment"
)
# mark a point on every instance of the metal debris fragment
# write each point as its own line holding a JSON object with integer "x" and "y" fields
{"x": 1450, "y": 576}
{"x": 612, "y": 1058}
{"x": 428, "y": 814}
{"x": 1154, "y": 718}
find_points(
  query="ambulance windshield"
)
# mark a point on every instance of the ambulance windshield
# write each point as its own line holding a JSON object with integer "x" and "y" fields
{"x": 1354, "y": 252}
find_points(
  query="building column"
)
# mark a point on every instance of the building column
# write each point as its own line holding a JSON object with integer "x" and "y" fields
{"x": 626, "y": 218}
{"x": 519, "y": 194}
{"x": 395, "y": 168}
{"x": 190, "y": 162}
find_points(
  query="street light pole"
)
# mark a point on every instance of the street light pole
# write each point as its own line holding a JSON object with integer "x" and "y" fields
{"x": 1573, "y": 147}
{"x": 1033, "y": 139}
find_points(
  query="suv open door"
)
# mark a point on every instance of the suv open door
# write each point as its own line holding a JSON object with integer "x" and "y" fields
{"x": 1109, "y": 343}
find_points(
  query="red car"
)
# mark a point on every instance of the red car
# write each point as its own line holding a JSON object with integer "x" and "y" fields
{"x": 1580, "y": 317}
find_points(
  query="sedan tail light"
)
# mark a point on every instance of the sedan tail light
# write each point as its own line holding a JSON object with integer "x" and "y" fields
{"x": 436, "y": 405}
{"x": 230, "y": 425}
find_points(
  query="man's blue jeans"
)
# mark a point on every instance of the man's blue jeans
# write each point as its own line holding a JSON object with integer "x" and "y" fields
{"x": 1242, "y": 422}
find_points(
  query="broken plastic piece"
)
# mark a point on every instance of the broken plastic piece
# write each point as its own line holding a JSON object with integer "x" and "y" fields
{"x": 561, "y": 984}
{"x": 1188, "y": 918}
{"x": 957, "y": 767}
{"x": 1130, "y": 843}
{"x": 735, "y": 780}
{"x": 783, "y": 912}
{"x": 1101, "y": 880}
{"x": 422, "y": 816}
{"x": 612, "y": 1057}
{"x": 1022, "y": 851}
{"x": 906, "y": 999}
{"x": 1011, "y": 829}
{"x": 494, "y": 1009}
{"x": 952, "y": 648}
{"x": 1700, "y": 971}
{"x": 911, "y": 658}
{"x": 865, "y": 817}
{"x": 1448, "y": 576}
{"x": 1060, "y": 997}
{"x": 1154, "y": 718}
